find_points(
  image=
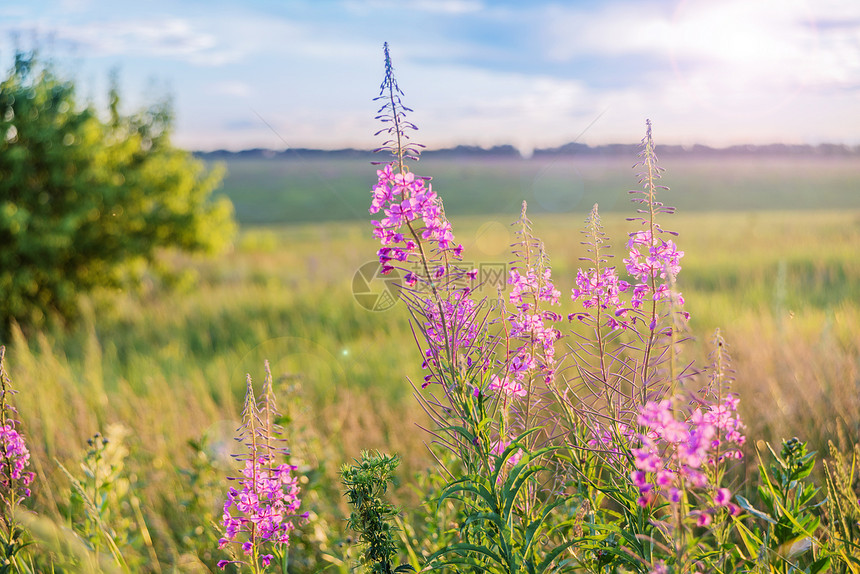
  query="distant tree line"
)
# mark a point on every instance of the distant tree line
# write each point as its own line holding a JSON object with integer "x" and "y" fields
{"x": 566, "y": 150}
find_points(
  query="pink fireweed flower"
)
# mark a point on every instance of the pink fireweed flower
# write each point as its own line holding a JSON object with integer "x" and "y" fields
{"x": 651, "y": 259}
{"x": 510, "y": 387}
{"x": 15, "y": 458}
{"x": 267, "y": 497}
{"x": 405, "y": 199}
{"x": 674, "y": 453}
{"x": 529, "y": 323}
{"x": 602, "y": 291}
{"x": 645, "y": 499}
{"x": 639, "y": 478}
{"x": 522, "y": 365}
{"x": 14, "y": 455}
{"x": 261, "y": 506}
{"x": 724, "y": 418}
{"x": 541, "y": 288}
{"x": 723, "y": 497}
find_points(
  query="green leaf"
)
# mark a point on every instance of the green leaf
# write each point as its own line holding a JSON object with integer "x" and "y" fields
{"x": 819, "y": 565}
{"x": 808, "y": 463}
{"x": 552, "y": 555}
{"x": 461, "y": 430}
{"x": 486, "y": 516}
{"x": 463, "y": 548}
{"x": 469, "y": 485}
{"x": 752, "y": 543}
{"x": 746, "y": 505}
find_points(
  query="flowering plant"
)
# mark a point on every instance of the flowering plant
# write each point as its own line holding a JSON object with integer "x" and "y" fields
{"x": 606, "y": 452}
{"x": 263, "y": 505}
{"x": 15, "y": 479}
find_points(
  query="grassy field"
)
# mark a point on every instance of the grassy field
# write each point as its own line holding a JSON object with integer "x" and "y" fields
{"x": 297, "y": 189}
{"x": 771, "y": 259}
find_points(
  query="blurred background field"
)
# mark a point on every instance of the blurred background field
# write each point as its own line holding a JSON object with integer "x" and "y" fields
{"x": 297, "y": 187}
{"x": 771, "y": 259}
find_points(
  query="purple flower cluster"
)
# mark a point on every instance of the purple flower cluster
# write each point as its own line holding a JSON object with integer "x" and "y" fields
{"x": 510, "y": 387}
{"x": 15, "y": 459}
{"x": 602, "y": 290}
{"x": 652, "y": 262}
{"x": 528, "y": 323}
{"x": 651, "y": 258}
{"x": 675, "y": 453}
{"x": 724, "y": 418}
{"x": 403, "y": 198}
{"x": 449, "y": 324}
{"x": 264, "y": 502}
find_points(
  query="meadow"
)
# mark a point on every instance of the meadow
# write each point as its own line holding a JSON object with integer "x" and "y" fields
{"x": 770, "y": 259}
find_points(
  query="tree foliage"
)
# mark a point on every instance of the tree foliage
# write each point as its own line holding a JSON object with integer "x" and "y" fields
{"x": 87, "y": 200}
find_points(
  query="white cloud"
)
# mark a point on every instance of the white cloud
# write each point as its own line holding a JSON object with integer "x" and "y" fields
{"x": 739, "y": 44}
{"x": 488, "y": 107}
{"x": 164, "y": 37}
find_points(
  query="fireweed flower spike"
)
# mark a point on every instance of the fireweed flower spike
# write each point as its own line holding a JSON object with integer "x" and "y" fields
{"x": 599, "y": 289}
{"x": 417, "y": 239}
{"x": 262, "y": 506}
{"x": 652, "y": 260}
{"x": 15, "y": 480}
{"x": 406, "y": 201}
{"x": 532, "y": 288}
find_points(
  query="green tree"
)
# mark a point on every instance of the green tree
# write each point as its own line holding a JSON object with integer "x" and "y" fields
{"x": 88, "y": 201}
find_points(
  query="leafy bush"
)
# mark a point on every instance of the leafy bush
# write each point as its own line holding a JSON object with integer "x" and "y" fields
{"x": 86, "y": 201}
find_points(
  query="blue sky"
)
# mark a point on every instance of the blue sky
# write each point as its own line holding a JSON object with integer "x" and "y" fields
{"x": 536, "y": 73}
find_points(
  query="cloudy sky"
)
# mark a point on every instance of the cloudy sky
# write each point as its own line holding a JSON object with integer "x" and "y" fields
{"x": 532, "y": 73}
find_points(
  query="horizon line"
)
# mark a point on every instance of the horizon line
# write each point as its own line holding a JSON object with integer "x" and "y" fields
{"x": 824, "y": 149}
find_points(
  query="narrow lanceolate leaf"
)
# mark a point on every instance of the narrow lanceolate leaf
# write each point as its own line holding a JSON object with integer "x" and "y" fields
{"x": 553, "y": 555}
{"x": 464, "y": 549}
{"x": 492, "y": 517}
{"x": 94, "y": 513}
{"x": 535, "y": 528}
{"x": 751, "y": 541}
{"x": 746, "y": 505}
{"x": 461, "y": 430}
{"x": 467, "y": 485}
{"x": 819, "y": 565}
